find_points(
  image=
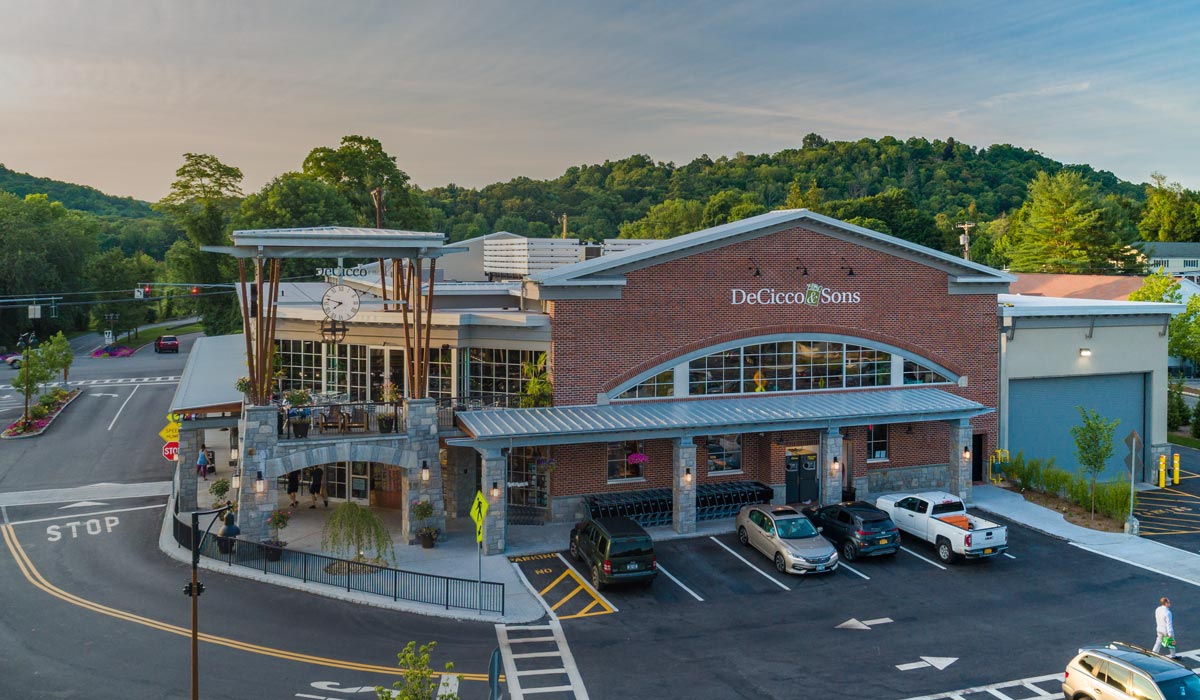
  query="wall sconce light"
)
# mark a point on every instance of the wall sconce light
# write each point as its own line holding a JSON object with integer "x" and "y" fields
{"x": 687, "y": 475}
{"x": 848, "y": 268}
{"x": 1085, "y": 352}
{"x": 260, "y": 486}
{"x": 836, "y": 464}
{"x": 757, "y": 271}
{"x": 495, "y": 489}
{"x": 425, "y": 470}
{"x": 236, "y": 481}
{"x": 966, "y": 454}
{"x": 233, "y": 454}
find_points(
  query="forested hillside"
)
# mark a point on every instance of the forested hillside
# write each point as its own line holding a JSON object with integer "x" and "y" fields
{"x": 78, "y": 197}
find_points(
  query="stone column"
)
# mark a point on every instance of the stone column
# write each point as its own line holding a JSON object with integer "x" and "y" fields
{"x": 683, "y": 490}
{"x": 960, "y": 468}
{"x": 831, "y": 478}
{"x": 257, "y": 437}
{"x": 189, "y": 451}
{"x": 495, "y": 472}
{"x": 421, "y": 424}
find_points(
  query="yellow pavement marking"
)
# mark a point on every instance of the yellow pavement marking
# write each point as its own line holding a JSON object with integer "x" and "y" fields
{"x": 566, "y": 598}
{"x": 552, "y": 585}
{"x": 35, "y": 577}
{"x": 594, "y": 603}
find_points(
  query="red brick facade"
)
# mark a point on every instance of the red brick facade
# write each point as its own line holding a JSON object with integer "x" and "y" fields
{"x": 677, "y": 307}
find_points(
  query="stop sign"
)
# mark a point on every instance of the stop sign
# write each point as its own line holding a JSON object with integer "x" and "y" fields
{"x": 171, "y": 451}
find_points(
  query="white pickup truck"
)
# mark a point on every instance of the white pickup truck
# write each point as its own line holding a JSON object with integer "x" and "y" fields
{"x": 941, "y": 518}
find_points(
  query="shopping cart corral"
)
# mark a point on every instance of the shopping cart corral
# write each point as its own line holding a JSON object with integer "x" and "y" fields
{"x": 653, "y": 507}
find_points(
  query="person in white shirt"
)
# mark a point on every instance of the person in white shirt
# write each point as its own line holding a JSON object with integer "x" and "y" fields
{"x": 1164, "y": 625}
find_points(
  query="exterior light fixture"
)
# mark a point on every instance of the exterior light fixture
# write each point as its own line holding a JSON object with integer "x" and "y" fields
{"x": 233, "y": 454}
{"x": 966, "y": 454}
{"x": 260, "y": 486}
{"x": 687, "y": 475}
{"x": 236, "y": 481}
{"x": 836, "y": 464}
{"x": 1085, "y": 352}
{"x": 425, "y": 470}
{"x": 333, "y": 332}
{"x": 495, "y": 489}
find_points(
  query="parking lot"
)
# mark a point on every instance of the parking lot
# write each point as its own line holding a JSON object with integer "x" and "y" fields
{"x": 721, "y": 621}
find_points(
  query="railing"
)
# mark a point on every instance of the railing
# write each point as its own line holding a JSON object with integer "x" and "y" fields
{"x": 653, "y": 507}
{"x": 349, "y": 418}
{"x": 397, "y": 584}
{"x": 446, "y": 408}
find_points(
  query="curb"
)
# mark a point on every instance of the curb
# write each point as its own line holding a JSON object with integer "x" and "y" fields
{"x": 78, "y": 393}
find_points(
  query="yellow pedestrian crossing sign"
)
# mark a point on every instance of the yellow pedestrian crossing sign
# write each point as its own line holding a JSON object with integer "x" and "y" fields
{"x": 479, "y": 511}
{"x": 170, "y": 432}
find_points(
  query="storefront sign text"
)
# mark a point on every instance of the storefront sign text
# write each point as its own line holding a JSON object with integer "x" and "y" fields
{"x": 813, "y": 295}
{"x": 342, "y": 271}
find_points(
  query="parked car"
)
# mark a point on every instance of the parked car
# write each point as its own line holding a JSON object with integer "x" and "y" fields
{"x": 787, "y": 538}
{"x": 166, "y": 343}
{"x": 13, "y": 361}
{"x": 614, "y": 550}
{"x": 857, "y": 529}
{"x": 941, "y": 518}
{"x": 1127, "y": 672}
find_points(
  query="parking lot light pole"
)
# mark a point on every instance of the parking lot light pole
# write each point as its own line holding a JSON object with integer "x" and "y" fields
{"x": 195, "y": 588}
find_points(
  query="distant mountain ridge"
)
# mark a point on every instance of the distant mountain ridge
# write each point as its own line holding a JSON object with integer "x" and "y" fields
{"x": 79, "y": 197}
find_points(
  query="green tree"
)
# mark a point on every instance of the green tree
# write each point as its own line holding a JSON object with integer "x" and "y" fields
{"x": 1178, "y": 412}
{"x": 294, "y": 200}
{"x": 1183, "y": 330}
{"x": 1195, "y": 427}
{"x": 358, "y": 166}
{"x": 667, "y": 220}
{"x": 58, "y": 354}
{"x": 419, "y": 681}
{"x": 1093, "y": 446}
{"x": 112, "y": 270}
{"x": 1171, "y": 213}
{"x": 1064, "y": 227}
{"x": 352, "y": 530}
{"x": 730, "y": 205}
{"x": 203, "y": 197}
{"x": 538, "y": 391}
{"x": 33, "y": 373}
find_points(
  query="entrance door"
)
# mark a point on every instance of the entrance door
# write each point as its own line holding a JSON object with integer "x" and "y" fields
{"x": 800, "y": 469}
{"x": 386, "y": 365}
{"x": 978, "y": 450}
{"x": 360, "y": 483}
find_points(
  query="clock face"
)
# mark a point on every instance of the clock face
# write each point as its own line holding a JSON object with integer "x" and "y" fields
{"x": 340, "y": 302}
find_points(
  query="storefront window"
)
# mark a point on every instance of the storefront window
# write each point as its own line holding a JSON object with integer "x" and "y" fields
{"x": 346, "y": 371}
{"x": 724, "y": 453}
{"x": 658, "y": 386}
{"x": 300, "y": 361}
{"x": 494, "y": 374}
{"x": 441, "y": 377}
{"x": 915, "y": 373}
{"x": 768, "y": 367}
{"x": 626, "y": 460}
{"x": 867, "y": 366}
{"x": 877, "y": 442}
{"x": 719, "y": 373}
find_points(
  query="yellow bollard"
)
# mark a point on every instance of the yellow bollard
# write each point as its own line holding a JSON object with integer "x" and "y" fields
{"x": 1162, "y": 471}
{"x": 1176, "y": 479}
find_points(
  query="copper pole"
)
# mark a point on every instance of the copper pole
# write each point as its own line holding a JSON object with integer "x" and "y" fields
{"x": 246, "y": 326}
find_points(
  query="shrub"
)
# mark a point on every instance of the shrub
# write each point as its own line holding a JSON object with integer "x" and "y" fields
{"x": 1178, "y": 412}
{"x": 1196, "y": 423}
{"x": 48, "y": 400}
{"x": 1017, "y": 469}
{"x": 1112, "y": 498}
{"x": 1057, "y": 480}
{"x": 38, "y": 412}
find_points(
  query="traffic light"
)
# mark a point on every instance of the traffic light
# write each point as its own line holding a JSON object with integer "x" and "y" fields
{"x": 195, "y": 291}
{"x": 147, "y": 291}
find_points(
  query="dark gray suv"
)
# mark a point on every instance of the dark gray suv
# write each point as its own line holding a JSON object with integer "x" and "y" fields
{"x": 1120, "y": 671}
{"x": 614, "y": 550}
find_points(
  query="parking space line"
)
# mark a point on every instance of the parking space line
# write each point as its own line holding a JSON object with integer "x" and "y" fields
{"x": 1008, "y": 555}
{"x": 566, "y": 597}
{"x": 595, "y": 593}
{"x": 918, "y": 556}
{"x": 747, "y": 563}
{"x": 552, "y": 585}
{"x": 680, "y": 583}
{"x": 594, "y": 603}
{"x": 855, "y": 571}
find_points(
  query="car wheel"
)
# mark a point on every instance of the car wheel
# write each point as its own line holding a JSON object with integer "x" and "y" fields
{"x": 574, "y": 549}
{"x": 780, "y": 563}
{"x": 597, "y": 582}
{"x": 849, "y": 552}
{"x": 743, "y": 537}
{"x": 16, "y": 364}
{"x": 945, "y": 552}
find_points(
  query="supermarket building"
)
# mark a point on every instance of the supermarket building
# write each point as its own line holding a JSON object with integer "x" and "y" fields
{"x": 789, "y": 355}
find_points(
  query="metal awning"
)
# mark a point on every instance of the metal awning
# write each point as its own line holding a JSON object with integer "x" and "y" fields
{"x": 334, "y": 242}
{"x": 213, "y": 365}
{"x": 686, "y": 418}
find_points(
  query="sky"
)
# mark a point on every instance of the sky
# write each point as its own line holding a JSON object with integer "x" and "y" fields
{"x": 112, "y": 94}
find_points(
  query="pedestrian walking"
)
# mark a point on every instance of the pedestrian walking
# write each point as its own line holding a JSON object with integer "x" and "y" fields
{"x": 1164, "y": 625}
{"x": 293, "y": 487}
{"x": 314, "y": 485}
{"x": 202, "y": 463}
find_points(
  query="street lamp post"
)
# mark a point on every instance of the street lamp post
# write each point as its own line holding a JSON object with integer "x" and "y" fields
{"x": 195, "y": 588}
{"x": 27, "y": 341}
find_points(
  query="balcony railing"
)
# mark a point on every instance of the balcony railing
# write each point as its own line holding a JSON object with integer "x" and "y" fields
{"x": 446, "y": 408}
{"x": 334, "y": 419}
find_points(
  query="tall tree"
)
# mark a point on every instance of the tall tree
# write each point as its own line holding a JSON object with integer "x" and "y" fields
{"x": 58, "y": 355}
{"x": 358, "y": 166}
{"x": 203, "y": 197}
{"x": 1093, "y": 445}
{"x": 112, "y": 270}
{"x": 1183, "y": 336}
{"x": 730, "y": 205}
{"x": 1065, "y": 227}
{"x": 1171, "y": 213}
{"x": 295, "y": 200}
{"x": 667, "y": 220}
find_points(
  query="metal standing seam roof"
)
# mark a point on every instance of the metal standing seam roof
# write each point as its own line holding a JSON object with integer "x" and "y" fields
{"x": 213, "y": 365}
{"x": 559, "y": 425}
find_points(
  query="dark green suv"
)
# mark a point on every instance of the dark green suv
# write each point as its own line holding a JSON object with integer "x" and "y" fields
{"x": 614, "y": 550}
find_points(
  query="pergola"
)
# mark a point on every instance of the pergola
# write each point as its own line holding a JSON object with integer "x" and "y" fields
{"x": 406, "y": 251}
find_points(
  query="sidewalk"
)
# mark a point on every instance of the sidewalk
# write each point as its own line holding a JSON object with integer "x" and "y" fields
{"x": 1147, "y": 554}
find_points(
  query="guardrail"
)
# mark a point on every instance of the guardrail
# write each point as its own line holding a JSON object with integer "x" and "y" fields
{"x": 350, "y": 418}
{"x": 397, "y": 584}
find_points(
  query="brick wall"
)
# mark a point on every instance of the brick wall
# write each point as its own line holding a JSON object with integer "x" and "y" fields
{"x": 684, "y": 305}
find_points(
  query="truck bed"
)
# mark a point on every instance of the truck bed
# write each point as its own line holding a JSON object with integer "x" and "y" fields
{"x": 959, "y": 521}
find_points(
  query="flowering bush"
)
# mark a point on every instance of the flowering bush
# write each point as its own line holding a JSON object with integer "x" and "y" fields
{"x": 41, "y": 413}
{"x": 242, "y": 384}
{"x": 112, "y": 351}
{"x": 279, "y": 519}
{"x": 637, "y": 458}
{"x": 391, "y": 393}
{"x": 298, "y": 397}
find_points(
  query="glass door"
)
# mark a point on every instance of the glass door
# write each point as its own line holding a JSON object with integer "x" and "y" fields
{"x": 528, "y": 485}
{"x": 360, "y": 483}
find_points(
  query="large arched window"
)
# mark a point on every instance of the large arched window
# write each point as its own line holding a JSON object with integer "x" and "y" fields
{"x": 812, "y": 363}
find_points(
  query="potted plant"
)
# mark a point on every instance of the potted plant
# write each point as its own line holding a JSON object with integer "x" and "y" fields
{"x": 277, "y": 520}
{"x": 387, "y": 420}
{"x": 428, "y": 535}
{"x": 242, "y": 384}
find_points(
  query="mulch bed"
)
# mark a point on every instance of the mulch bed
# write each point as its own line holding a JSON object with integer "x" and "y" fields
{"x": 21, "y": 428}
{"x": 1072, "y": 512}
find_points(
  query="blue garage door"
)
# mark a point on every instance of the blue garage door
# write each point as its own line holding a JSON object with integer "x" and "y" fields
{"x": 1042, "y": 411}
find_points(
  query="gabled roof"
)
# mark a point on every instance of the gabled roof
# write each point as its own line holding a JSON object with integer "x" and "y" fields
{"x": 1169, "y": 249}
{"x": 213, "y": 365}
{"x": 608, "y": 270}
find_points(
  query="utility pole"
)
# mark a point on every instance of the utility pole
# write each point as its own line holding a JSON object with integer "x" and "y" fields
{"x": 563, "y": 218}
{"x": 965, "y": 238}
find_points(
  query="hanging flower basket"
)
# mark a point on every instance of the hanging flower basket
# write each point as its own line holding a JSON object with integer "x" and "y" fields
{"x": 637, "y": 458}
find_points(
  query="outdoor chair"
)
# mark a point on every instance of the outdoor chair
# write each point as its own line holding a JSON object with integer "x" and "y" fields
{"x": 357, "y": 419}
{"x": 330, "y": 419}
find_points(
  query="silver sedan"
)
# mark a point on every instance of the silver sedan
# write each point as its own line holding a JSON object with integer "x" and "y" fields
{"x": 787, "y": 538}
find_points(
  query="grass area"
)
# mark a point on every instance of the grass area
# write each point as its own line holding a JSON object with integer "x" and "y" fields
{"x": 1072, "y": 512}
{"x": 184, "y": 329}
{"x": 1185, "y": 440}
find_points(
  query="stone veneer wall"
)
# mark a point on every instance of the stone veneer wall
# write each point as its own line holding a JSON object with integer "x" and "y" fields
{"x": 931, "y": 477}
{"x": 459, "y": 475}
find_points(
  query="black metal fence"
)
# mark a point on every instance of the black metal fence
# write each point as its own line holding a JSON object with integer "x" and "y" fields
{"x": 446, "y": 408}
{"x": 485, "y": 596}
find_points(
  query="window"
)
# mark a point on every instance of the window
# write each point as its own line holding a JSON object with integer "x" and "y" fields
{"x": 1143, "y": 688}
{"x": 1117, "y": 676}
{"x": 818, "y": 365}
{"x": 626, "y": 460}
{"x": 719, "y": 373}
{"x": 724, "y": 453}
{"x": 346, "y": 371}
{"x": 1191, "y": 263}
{"x": 660, "y": 385}
{"x": 300, "y": 361}
{"x": 440, "y": 368}
{"x": 768, "y": 367}
{"x": 495, "y": 375}
{"x": 915, "y": 373}
{"x": 867, "y": 367}
{"x": 877, "y": 442}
